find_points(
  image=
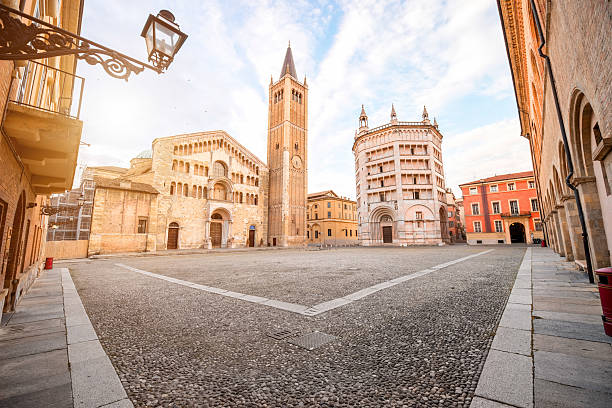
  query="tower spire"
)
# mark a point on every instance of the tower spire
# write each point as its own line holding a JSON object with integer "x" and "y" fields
{"x": 363, "y": 120}
{"x": 425, "y": 114}
{"x": 288, "y": 64}
{"x": 393, "y": 114}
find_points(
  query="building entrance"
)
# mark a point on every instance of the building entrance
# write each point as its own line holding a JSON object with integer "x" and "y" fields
{"x": 173, "y": 231}
{"x": 517, "y": 233}
{"x": 387, "y": 235}
{"x": 251, "y": 238}
{"x": 216, "y": 229}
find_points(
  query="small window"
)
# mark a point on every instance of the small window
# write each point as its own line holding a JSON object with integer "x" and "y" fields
{"x": 537, "y": 224}
{"x": 382, "y": 183}
{"x": 329, "y": 232}
{"x": 479, "y": 241}
{"x": 329, "y": 214}
{"x": 493, "y": 189}
{"x": 511, "y": 186}
{"x": 316, "y": 234}
{"x": 531, "y": 184}
{"x": 316, "y": 216}
{"x": 142, "y": 225}
{"x": 419, "y": 215}
{"x": 495, "y": 207}
{"x": 351, "y": 233}
{"x": 534, "y": 204}
{"x": 416, "y": 195}
{"x": 473, "y": 190}
{"x": 500, "y": 241}
{"x": 328, "y": 205}
{"x": 498, "y": 226}
{"x": 514, "y": 207}
{"x": 308, "y": 234}
{"x": 477, "y": 227}
{"x": 475, "y": 209}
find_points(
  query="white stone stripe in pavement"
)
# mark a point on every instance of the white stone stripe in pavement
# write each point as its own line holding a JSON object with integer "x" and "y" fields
{"x": 507, "y": 376}
{"x": 94, "y": 380}
{"x": 301, "y": 309}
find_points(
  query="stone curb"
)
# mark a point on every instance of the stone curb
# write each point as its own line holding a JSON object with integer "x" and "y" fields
{"x": 94, "y": 380}
{"x": 507, "y": 376}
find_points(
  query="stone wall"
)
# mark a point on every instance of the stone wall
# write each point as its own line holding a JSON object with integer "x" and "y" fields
{"x": 66, "y": 249}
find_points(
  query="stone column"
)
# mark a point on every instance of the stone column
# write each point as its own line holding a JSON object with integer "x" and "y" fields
{"x": 591, "y": 203}
{"x": 573, "y": 227}
{"x": 566, "y": 243}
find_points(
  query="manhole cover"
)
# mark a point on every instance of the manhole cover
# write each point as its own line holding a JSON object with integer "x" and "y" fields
{"x": 283, "y": 334}
{"x": 312, "y": 340}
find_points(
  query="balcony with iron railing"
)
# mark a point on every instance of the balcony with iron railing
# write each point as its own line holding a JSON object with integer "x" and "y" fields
{"x": 50, "y": 89}
{"x": 42, "y": 119}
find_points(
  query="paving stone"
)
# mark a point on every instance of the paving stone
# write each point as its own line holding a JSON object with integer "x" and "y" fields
{"x": 567, "y": 307}
{"x": 479, "y": 402}
{"x": 591, "y": 300}
{"x": 580, "y": 348}
{"x": 35, "y": 373}
{"x": 516, "y": 319}
{"x": 506, "y": 377}
{"x": 512, "y": 341}
{"x": 81, "y": 333}
{"x": 549, "y": 394}
{"x": 573, "y": 371}
{"x": 32, "y": 345}
{"x": 17, "y": 331}
{"x": 572, "y": 330}
{"x": 568, "y": 317}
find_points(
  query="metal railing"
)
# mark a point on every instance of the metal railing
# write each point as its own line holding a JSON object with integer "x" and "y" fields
{"x": 516, "y": 214}
{"x": 50, "y": 89}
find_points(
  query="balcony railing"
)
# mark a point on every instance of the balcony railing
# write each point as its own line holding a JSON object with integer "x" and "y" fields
{"x": 50, "y": 89}
{"x": 516, "y": 214}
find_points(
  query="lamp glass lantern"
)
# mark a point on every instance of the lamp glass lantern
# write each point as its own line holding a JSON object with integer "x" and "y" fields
{"x": 163, "y": 38}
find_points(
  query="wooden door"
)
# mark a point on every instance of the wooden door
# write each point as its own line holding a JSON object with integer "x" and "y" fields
{"x": 215, "y": 234}
{"x": 251, "y": 238}
{"x": 387, "y": 235}
{"x": 173, "y": 237}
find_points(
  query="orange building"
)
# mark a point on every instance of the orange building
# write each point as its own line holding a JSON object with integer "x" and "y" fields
{"x": 502, "y": 210}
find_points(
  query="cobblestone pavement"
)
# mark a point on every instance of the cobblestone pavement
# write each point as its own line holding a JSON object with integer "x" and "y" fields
{"x": 420, "y": 343}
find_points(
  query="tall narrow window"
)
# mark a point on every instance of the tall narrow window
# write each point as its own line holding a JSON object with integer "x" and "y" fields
{"x": 475, "y": 209}
{"x": 534, "y": 204}
{"x": 142, "y": 225}
{"x": 514, "y": 207}
{"x": 477, "y": 227}
{"x": 498, "y": 226}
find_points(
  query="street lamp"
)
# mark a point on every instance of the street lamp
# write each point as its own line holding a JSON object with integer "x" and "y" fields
{"x": 20, "y": 41}
{"x": 163, "y": 38}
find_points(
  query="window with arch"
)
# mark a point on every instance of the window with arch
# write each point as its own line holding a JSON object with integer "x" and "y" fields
{"x": 172, "y": 188}
{"x": 219, "y": 169}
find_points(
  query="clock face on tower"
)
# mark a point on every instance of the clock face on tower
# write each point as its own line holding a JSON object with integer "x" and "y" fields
{"x": 296, "y": 162}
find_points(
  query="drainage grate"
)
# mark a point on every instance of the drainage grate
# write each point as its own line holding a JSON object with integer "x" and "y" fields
{"x": 312, "y": 340}
{"x": 283, "y": 334}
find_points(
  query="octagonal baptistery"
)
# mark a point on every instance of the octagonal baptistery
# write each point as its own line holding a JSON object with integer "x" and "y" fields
{"x": 401, "y": 196}
{"x": 213, "y": 192}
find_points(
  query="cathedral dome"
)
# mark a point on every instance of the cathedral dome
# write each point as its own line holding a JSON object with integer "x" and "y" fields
{"x": 145, "y": 154}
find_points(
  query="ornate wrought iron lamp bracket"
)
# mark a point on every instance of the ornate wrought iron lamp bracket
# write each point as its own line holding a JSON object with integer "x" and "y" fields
{"x": 20, "y": 41}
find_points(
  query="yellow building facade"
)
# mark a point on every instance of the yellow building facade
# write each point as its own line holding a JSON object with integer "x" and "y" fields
{"x": 331, "y": 219}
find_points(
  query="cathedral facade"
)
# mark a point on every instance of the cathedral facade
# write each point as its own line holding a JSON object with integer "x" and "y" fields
{"x": 206, "y": 190}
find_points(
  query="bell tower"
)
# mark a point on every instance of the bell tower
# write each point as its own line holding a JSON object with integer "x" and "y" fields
{"x": 287, "y": 157}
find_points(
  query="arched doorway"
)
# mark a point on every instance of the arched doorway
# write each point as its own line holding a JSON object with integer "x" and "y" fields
{"x": 517, "y": 233}
{"x": 15, "y": 249}
{"x": 173, "y": 233}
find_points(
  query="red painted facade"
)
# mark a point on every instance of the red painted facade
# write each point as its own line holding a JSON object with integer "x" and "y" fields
{"x": 509, "y": 199}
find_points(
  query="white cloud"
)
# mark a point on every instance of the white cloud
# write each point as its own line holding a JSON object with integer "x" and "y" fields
{"x": 373, "y": 52}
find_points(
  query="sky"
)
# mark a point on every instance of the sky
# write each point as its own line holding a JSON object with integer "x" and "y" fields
{"x": 447, "y": 55}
